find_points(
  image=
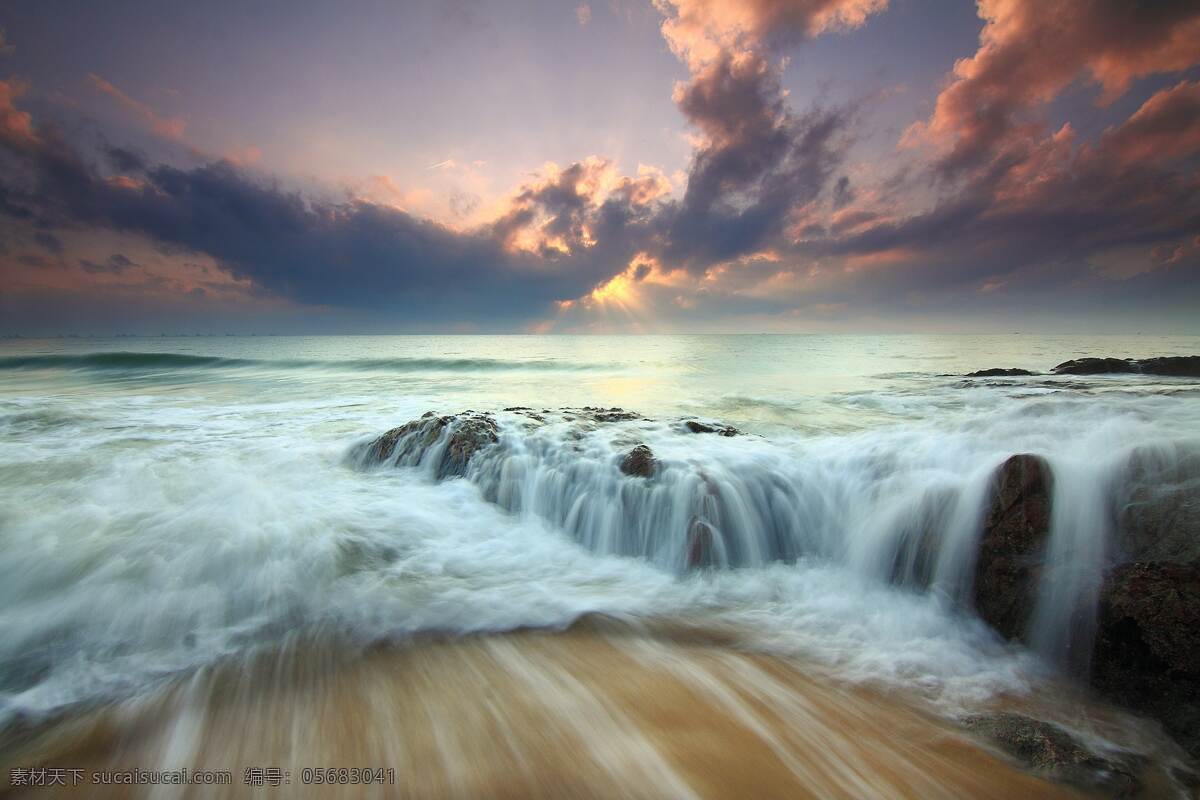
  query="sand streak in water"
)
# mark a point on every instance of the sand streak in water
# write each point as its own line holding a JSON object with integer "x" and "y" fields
{"x": 592, "y": 712}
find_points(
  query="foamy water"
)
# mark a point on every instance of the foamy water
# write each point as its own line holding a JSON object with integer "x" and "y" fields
{"x": 166, "y": 504}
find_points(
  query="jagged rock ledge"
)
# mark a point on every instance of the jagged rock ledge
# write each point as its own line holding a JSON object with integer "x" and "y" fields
{"x": 469, "y": 444}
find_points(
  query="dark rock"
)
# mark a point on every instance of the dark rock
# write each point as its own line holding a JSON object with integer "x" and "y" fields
{"x": 699, "y": 553}
{"x": 639, "y": 462}
{"x": 1147, "y": 651}
{"x": 999, "y": 372}
{"x": 1052, "y": 752}
{"x": 1012, "y": 545}
{"x": 695, "y": 426}
{"x": 1096, "y": 366}
{"x": 1175, "y": 366}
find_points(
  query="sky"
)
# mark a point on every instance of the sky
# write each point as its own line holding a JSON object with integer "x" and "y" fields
{"x": 599, "y": 166}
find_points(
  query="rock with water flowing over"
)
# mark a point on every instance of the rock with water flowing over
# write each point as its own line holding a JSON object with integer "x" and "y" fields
{"x": 559, "y": 465}
{"x": 1013, "y": 542}
{"x": 1173, "y": 366}
{"x": 450, "y": 441}
{"x": 639, "y": 462}
{"x": 1049, "y": 750}
{"x": 1146, "y": 653}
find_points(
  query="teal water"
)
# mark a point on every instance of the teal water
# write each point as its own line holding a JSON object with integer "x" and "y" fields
{"x": 168, "y": 502}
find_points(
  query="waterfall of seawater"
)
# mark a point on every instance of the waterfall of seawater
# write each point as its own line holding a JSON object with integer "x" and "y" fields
{"x": 889, "y": 511}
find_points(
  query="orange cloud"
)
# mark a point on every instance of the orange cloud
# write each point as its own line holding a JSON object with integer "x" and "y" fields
{"x": 698, "y": 31}
{"x": 16, "y": 127}
{"x": 1166, "y": 127}
{"x": 1030, "y": 51}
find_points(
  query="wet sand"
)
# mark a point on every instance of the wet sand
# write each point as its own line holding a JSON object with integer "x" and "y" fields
{"x": 596, "y": 711}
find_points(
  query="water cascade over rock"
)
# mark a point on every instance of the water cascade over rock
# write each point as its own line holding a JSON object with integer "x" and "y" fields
{"x": 1094, "y": 563}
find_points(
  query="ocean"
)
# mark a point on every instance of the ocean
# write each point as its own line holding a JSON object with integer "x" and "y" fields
{"x": 170, "y": 506}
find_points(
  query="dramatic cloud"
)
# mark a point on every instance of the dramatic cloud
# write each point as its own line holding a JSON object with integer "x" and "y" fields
{"x": 1030, "y": 51}
{"x": 564, "y": 232}
{"x": 776, "y": 214}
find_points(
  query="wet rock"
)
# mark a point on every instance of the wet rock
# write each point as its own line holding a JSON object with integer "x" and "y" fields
{"x": 463, "y": 435}
{"x": 695, "y": 426}
{"x": 1147, "y": 651}
{"x": 1012, "y": 545}
{"x": 999, "y": 372}
{"x": 470, "y": 435}
{"x": 418, "y": 434}
{"x": 639, "y": 462}
{"x": 1050, "y": 751}
{"x": 1175, "y": 366}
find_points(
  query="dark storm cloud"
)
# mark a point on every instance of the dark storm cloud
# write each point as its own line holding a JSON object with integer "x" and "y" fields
{"x": 759, "y": 163}
{"x": 351, "y": 253}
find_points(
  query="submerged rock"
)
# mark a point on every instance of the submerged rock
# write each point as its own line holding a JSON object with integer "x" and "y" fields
{"x": 1176, "y": 366}
{"x": 999, "y": 372}
{"x": 1011, "y": 548}
{"x": 1049, "y": 750}
{"x": 639, "y": 462}
{"x": 700, "y": 552}
{"x": 695, "y": 426}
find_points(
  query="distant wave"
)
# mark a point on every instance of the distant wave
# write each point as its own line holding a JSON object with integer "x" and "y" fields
{"x": 128, "y": 362}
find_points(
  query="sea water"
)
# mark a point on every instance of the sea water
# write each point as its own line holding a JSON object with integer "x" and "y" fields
{"x": 169, "y": 503}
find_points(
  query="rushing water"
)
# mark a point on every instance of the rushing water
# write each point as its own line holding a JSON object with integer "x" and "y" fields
{"x": 165, "y": 503}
